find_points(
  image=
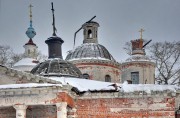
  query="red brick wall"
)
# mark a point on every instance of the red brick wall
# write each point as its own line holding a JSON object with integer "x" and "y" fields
{"x": 125, "y": 108}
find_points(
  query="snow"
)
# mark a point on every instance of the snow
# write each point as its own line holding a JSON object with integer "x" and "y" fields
{"x": 26, "y": 62}
{"x": 92, "y": 85}
{"x": 27, "y": 85}
{"x": 89, "y": 58}
{"x": 147, "y": 87}
{"x": 84, "y": 84}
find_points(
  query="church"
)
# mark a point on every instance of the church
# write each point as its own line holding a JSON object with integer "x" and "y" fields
{"x": 89, "y": 83}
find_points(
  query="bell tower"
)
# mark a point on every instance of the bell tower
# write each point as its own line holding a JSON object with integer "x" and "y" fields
{"x": 30, "y": 46}
{"x": 90, "y": 32}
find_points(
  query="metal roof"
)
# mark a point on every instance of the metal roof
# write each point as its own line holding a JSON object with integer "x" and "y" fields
{"x": 56, "y": 67}
{"x": 89, "y": 50}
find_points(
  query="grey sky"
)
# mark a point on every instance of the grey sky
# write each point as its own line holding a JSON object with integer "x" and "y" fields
{"x": 120, "y": 21}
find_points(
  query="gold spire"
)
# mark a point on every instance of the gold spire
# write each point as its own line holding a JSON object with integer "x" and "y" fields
{"x": 141, "y": 31}
{"x": 30, "y": 12}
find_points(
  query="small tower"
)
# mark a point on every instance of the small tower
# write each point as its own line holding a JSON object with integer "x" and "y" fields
{"x": 55, "y": 66}
{"x": 93, "y": 59}
{"x": 30, "y": 46}
{"x": 54, "y": 43}
{"x": 137, "y": 45}
{"x": 138, "y": 68}
{"x": 29, "y": 61}
{"x": 90, "y": 32}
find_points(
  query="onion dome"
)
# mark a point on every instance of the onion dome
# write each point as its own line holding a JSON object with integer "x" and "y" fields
{"x": 90, "y": 51}
{"x": 30, "y": 32}
{"x": 55, "y": 65}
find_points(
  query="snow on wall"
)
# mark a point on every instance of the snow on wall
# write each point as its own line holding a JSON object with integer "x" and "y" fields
{"x": 27, "y": 85}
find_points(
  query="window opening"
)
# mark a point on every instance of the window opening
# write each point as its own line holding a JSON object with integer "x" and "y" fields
{"x": 135, "y": 77}
{"x": 107, "y": 78}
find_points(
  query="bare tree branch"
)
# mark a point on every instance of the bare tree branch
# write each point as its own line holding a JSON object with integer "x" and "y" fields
{"x": 167, "y": 58}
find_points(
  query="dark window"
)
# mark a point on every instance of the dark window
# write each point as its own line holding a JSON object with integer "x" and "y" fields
{"x": 135, "y": 77}
{"x": 107, "y": 78}
{"x": 86, "y": 76}
{"x": 89, "y": 34}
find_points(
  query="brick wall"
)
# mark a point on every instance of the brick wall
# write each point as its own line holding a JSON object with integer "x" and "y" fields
{"x": 31, "y": 112}
{"x": 126, "y": 108}
{"x": 48, "y": 111}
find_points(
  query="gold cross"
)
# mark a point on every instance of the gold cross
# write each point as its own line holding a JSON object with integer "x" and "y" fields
{"x": 30, "y": 11}
{"x": 141, "y": 31}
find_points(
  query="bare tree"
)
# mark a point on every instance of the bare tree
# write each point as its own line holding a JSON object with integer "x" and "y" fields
{"x": 41, "y": 57}
{"x": 5, "y": 54}
{"x": 128, "y": 48}
{"x": 167, "y": 58}
{"x": 15, "y": 58}
{"x": 9, "y": 58}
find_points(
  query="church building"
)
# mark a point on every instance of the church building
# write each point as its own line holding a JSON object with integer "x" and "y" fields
{"x": 57, "y": 88}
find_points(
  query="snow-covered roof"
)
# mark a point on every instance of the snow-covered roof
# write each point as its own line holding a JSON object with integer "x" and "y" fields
{"x": 26, "y": 62}
{"x": 84, "y": 85}
{"x": 27, "y": 85}
{"x": 89, "y": 58}
{"x": 147, "y": 87}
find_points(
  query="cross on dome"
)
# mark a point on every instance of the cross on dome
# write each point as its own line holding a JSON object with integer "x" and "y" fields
{"x": 141, "y": 31}
{"x": 30, "y": 31}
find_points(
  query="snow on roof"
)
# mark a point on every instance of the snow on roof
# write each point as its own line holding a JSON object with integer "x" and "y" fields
{"x": 84, "y": 84}
{"x": 89, "y": 58}
{"x": 27, "y": 85}
{"x": 91, "y": 85}
{"x": 147, "y": 87}
{"x": 26, "y": 62}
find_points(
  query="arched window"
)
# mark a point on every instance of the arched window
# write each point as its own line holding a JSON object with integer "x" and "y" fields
{"x": 107, "y": 78}
{"x": 86, "y": 76}
{"x": 89, "y": 34}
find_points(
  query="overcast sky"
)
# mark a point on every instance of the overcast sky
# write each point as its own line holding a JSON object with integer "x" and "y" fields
{"x": 120, "y": 21}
